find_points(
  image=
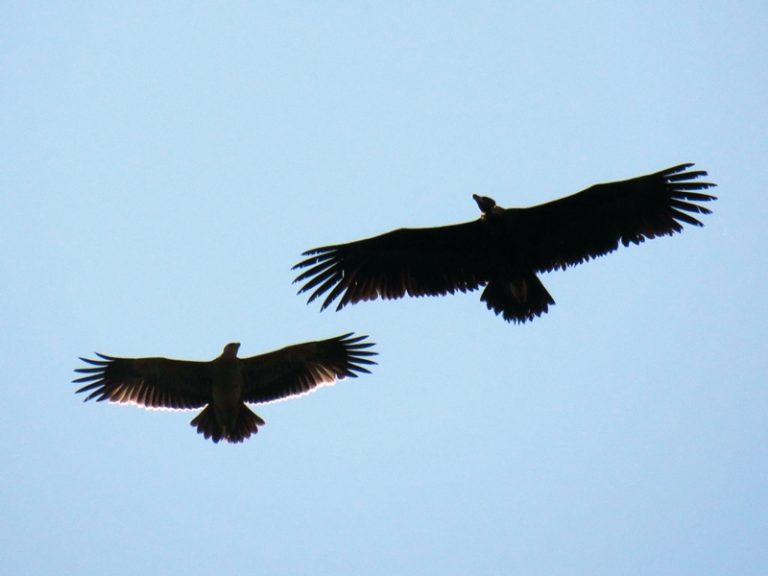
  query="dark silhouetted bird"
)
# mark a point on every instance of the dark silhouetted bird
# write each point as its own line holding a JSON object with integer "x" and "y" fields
{"x": 505, "y": 248}
{"x": 225, "y": 384}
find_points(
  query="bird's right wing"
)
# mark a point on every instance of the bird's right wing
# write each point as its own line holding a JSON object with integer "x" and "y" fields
{"x": 412, "y": 261}
{"x": 148, "y": 382}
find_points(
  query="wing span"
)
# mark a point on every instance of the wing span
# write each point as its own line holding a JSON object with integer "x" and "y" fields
{"x": 148, "y": 382}
{"x": 301, "y": 368}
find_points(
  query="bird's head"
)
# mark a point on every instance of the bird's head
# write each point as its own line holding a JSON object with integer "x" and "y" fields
{"x": 230, "y": 350}
{"x": 485, "y": 204}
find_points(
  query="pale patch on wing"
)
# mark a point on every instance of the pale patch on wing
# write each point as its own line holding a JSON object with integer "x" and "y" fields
{"x": 323, "y": 384}
{"x": 130, "y": 402}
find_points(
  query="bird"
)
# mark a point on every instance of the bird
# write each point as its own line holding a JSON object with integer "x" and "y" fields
{"x": 223, "y": 385}
{"x": 504, "y": 250}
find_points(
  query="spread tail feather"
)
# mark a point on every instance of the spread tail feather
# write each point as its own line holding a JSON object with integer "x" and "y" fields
{"x": 247, "y": 423}
{"x": 517, "y": 300}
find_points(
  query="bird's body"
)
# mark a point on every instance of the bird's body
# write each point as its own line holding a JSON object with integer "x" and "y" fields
{"x": 223, "y": 385}
{"x": 227, "y": 391}
{"x": 504, "y": 249}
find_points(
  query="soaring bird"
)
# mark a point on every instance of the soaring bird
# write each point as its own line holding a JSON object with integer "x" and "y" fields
{"x": 506, "y": 247}
{"x": 224, "y": 384}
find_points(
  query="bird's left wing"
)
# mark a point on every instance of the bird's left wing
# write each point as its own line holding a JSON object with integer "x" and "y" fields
{"x": 148, "y": 382}
{"x": 595, "y": 221}
{"x": 412, "y": 261}
{"x": 301, "y": 368}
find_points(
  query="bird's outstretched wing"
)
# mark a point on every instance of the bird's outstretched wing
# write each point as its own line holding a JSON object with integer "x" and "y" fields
{"x": 592, "y": 222}
{"x": 301, "y": 368}
{"x": 148, "y": 382}
{"x": 412, "y": 261}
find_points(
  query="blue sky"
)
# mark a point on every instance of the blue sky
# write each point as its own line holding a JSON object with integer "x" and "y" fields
{"x": 163, "y": 167}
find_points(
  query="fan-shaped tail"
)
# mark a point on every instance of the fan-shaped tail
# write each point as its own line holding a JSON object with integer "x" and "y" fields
{"x": 517, "y": 300}
{"x": 208, "y": 425}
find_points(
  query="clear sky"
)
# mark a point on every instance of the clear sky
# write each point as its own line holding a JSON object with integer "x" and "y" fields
{"x": 164, "y": 164}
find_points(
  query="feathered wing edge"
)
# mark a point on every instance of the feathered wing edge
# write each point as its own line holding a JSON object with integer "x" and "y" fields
{"x": 358, "y": 354}
{"x": 680, "y": 186}
{"x": 271, "y": 377}
{"x": 556, "y": 249}
{"x": 408, "y": 261}
{"x": 135, "y": 389}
